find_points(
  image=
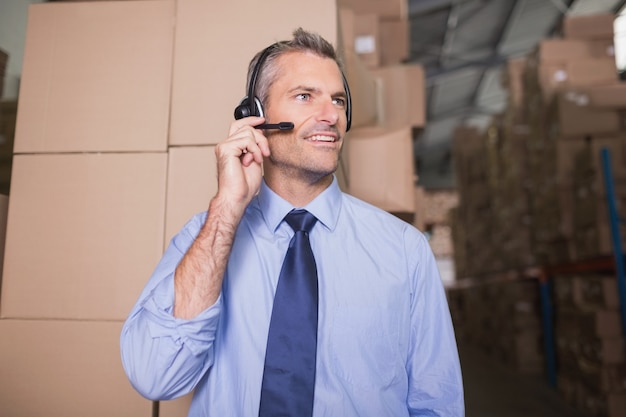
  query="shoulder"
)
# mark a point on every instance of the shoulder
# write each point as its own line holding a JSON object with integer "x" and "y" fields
{"x": 366, "y": 216}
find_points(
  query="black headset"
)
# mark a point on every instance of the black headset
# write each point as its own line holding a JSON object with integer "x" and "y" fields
{"x": 251, "y": 105}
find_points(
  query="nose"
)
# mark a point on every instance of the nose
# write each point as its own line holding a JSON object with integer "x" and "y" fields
{"x": 329, "y": 112}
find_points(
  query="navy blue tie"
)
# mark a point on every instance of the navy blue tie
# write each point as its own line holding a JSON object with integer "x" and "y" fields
{"x": 289, "y": 373}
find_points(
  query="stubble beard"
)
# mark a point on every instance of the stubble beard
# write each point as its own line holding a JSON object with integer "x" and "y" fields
{"x": 310, "y": 173}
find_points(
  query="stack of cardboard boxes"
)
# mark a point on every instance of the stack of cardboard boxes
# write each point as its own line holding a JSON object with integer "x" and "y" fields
{"x": 500, "y": 316}
{"x": 563, "y": 123}
{"x": 590, "y": 346}
{"x": 121, "y": 105}
{"x": 379, "y": 164}
{"x": 494, "y": 304}
{"x": 87, "y": 203}
{"x": 564, "y": 107}
{"x": 431, "y": 216}
{"x": 540, "y": 196}
{"x": 468, "y": 149}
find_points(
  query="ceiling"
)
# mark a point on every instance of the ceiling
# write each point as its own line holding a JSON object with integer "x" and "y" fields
{"x": 462, "y": 45}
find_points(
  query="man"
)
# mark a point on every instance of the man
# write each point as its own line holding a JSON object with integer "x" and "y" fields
{"x": 385, "y": 344}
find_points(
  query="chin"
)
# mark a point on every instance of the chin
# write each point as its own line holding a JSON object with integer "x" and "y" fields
{"x": 319, "y": 173}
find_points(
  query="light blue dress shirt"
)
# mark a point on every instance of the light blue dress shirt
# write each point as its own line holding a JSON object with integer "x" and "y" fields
{"x": 386, "y": 345}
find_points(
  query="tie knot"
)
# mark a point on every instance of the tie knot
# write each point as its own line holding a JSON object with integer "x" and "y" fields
{"x": 300, "y": 220}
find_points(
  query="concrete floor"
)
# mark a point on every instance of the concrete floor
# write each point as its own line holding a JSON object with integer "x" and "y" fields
{"x": 493, "y": 390}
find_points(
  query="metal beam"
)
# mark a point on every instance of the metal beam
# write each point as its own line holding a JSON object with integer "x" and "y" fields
{"x": 503, "y": 29}
{"x": 619, "y": 6}
{"x": 424, "y": 7}
{"x": 481, "y": 64}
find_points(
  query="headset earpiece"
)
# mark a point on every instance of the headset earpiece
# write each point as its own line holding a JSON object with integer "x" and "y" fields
{"x": 244, "y": 109}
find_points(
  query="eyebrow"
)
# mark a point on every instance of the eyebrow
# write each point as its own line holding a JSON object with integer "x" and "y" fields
{"x": 308, "y": 89}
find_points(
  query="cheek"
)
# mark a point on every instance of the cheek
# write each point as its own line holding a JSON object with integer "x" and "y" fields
{"x": 281, "y": 143}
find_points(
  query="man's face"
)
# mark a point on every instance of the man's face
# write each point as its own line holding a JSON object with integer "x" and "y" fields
{"x": 309, "y": 92}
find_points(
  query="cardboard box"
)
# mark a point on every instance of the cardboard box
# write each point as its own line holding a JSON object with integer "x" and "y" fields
{"x": 421, "y": 209}
{"x": 345, "y": 28}
{"x": 403, "y": 95}
{"x": 388, "y": 9}
{"x": 175, "y": 408}
{"x": 565, "y": 50}
{"x": 611, "y": 96}
{"x": 382, "y": 170}
{"x": 210, "y": 74}
{"x": 342, "y": 170}
{"x": 62, "y": 368}
{"x": 575, "y": 118}
{"x": 96, "y": 77}
{"x": 394, "y": 41}
{"x": 602, "y": 48}
{"x": 191, "y": 184}
{"x": 589, "y": 26}
{"x": 365, "y": 91}
{"x": 599, "y": 292}
{"x": 84, "y": 233}
{"x": 377, "y": 41}
{"x": 576, "y": 73}
{"x": 367, "y": 39}
{"x": 364, "y": 87}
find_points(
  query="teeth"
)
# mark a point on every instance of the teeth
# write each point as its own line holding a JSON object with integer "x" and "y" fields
{"x": 322, "y": 138}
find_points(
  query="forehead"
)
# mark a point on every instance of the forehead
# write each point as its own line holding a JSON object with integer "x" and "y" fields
{"x": 303, "y": 67}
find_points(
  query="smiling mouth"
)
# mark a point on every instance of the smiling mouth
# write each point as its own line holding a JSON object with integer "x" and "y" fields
{"x": 321, "y": 138}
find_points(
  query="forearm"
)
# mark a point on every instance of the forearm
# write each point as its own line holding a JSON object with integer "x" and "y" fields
{"x": 199, "y": 276}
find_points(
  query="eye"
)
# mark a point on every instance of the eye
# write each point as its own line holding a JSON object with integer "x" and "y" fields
{"x": 303, "y": 96}
{"x": 340, "y": 101}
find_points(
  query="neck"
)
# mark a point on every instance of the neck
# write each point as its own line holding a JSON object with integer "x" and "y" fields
{"x": 297, "y": 191}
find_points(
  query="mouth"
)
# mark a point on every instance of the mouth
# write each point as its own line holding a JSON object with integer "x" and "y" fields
{"x": 322, "y": 138}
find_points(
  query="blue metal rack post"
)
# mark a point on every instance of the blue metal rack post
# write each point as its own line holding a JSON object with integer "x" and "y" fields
{"x": 614, "y": 220}
{"x": 548, "y": 333}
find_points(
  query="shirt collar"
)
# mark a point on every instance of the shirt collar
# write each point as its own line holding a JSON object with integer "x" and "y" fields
{"x": 325, "y": 207}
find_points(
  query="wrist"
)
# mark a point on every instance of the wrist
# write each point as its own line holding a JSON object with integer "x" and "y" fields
{"x": 226, "y": 211}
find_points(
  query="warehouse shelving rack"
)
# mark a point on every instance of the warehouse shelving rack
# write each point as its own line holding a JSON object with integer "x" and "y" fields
{"x": 613, "y": 263}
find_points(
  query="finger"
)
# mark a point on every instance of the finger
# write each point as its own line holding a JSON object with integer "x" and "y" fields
{"x": 253, "y": 152}
{"x": 246, "y": 121}
{"x": 262, "y": 143}
{"x": 247, "y": 159}
{"x": 250, "y": 140}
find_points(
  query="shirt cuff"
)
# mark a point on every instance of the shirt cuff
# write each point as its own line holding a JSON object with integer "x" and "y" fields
{"x": 197, "y": 334}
